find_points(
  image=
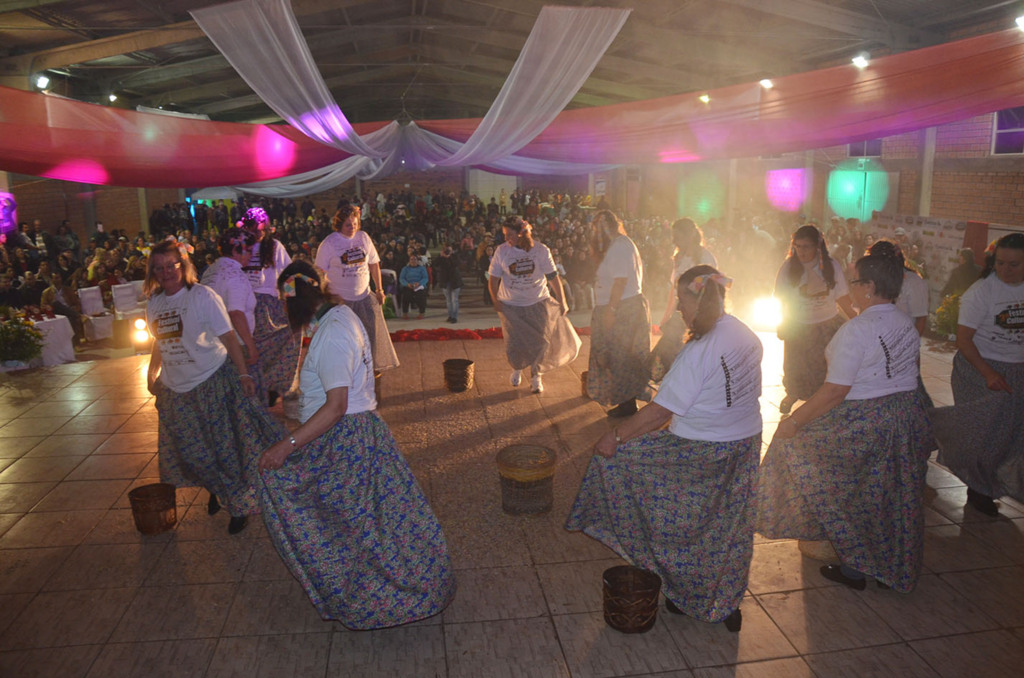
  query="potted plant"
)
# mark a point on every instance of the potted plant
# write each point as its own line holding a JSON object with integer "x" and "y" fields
{"x": 20, "y": 342}
{"x": 946, "y": 316}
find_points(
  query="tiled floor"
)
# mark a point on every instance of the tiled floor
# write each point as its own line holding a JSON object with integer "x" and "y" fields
{"x": 83, "y": 594}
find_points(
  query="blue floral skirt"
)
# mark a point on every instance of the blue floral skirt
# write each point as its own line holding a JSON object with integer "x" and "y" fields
{"x": 277, "y": 344}
{"x": 854, "y": 476}
{"x": 619, "y": 357}
{"x": 212, "y": 437}
{"x": 681, "y": 508}
{"x": 353, "y": 526}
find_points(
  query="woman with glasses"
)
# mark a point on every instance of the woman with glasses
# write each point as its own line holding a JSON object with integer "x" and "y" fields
{"x": 210, "y": 426}
{"x": 849, "y": 464}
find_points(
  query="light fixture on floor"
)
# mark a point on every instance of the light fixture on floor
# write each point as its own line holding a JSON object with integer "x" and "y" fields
{"x": 140, "y": 336}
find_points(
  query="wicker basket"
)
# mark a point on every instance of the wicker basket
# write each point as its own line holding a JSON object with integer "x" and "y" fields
{"x": 458, "y": 374}
{"x": 527, "y": 479}
{"x": 630, "y": 598}
{"x": 154, "y": 507}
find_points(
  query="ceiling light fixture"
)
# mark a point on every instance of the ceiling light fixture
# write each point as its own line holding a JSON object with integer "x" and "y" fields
{"x": 112, "y": 97}
{"x": 42, "y": 82}
{"x": 767, "y": 83}
{"x": 1020, "y": 22}
{"x": 861, "y": 60}
{"x": 705, "y": 98}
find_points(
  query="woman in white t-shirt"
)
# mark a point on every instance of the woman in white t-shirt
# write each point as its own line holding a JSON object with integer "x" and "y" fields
{"x": 209, "y": 424}
{"x": 811, "y": 287}
{"x": 849, "y": 465}
{"x": 620, "y": 328}
{"x": 339, "y": 500}
{"x": 276, "y": 345}
{"x": 981, "y": 438}
{"x": 537, "y": 333}
{"x": 677, "y": 502}
{"x": 350, "y": 260}
{"x": 913, "y": 299}
{"x": 226, "y": 276}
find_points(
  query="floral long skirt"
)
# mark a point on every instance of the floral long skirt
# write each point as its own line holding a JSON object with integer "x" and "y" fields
{"x": 353, "y": 526}
{"x": 854, "y": 476}
{"x": 369, "y": 312}
{"x": 538, "y": 335}
{"x": 212, "y": 437}
{"x": 619, "y": 357}
{"x": 803, "y": 359}
{"x": 681, "y": 508}
{"x": 981, "y": 438}
{"x": 277, "y": 344}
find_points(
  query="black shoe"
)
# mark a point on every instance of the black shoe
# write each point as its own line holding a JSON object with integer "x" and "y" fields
{"x": 982, "y": 503}
{"x": 237, "y": 524}
{"x": 273, "y": 396}
{"x": 213, "y": 505}
{"x": 835, "y": 573}
{"x": 734, "y": 621}
{"x": 672, "y": 607}
{"x": 786, "y": 406}
{"x": 624, "y": 409}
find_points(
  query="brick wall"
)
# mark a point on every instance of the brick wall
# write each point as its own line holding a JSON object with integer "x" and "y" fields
{"x": 982, "y": 196}
{"x": 51, "y": 202}
{"x": 970, "y": 138}
{"x": 903, "y": 146}
{"x": 118, "y": 207}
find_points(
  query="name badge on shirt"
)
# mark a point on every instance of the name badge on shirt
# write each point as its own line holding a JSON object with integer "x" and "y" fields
{"x": 523, "y": 267}
{"x": 356, "y": 255}
{"x": 167, "y": 325}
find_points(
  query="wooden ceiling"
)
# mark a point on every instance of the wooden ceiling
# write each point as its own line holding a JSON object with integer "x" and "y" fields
{"x": 437, "y": 59}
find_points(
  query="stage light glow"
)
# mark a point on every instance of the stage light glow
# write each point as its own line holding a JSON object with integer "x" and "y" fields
{"x": 765, "y": 314}
{"x": 767, "y": 83}
{"x": 42, "y": 82}
{"x": 140, "y": 323}
{"x": 857, "y": 187}
{"x": 860, "y": 61}
{"x": 787, "y": 189}
{"x": 1020, "y": 22}
{"x": 701, "y": 195}
{"x": 141, "y": 336}
{"x": 112, "y": 97}
{"x": 83, "y": 170}
{"x": 273, "y": 152}
{"x": 677, "y": 155}
{"x": 705, "y": 98}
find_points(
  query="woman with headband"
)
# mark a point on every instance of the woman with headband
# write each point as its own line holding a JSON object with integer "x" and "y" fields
{"x": 277, "y": 347}
{"x": 678, "y": 502}
{"x": 849, "y": 465}
{"x": 340, "y": 503}
{"x": 227, "y": 278}
{"x": 209, "y": 423}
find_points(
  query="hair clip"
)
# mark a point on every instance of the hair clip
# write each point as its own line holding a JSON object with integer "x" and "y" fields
{"x": 288, "y": 286}
{"x": 697, "y": 285}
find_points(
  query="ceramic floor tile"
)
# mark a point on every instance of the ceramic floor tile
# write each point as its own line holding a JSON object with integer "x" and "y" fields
{"x": 992, "y": 653}
{"x": 22, "y": 427}
{"x": 114, "y": 406}
{"x": 11, "y": 605}
{"x": 999, "y": 592}
{"x": 7, "y": 520}
{"x": 1005, "y": 536}
{"x": 50, "y": 528}
{"x": 175, "y": 613}
{"x": 142, "y": 422}
{"x": 874, "y": 662}
{"x": 265, "y": 563}
{"x": 401, "y": 651}
{"x": 13, "y": 448}
{"x": 777, "y": 668}
{"x": 87, "y": 393}
{"x": 66, "y": 662}
{"x": 571, "y": 588}
{"x": 99, "y": 424}
{"x": 285, "y": 656}
{"x": 39, "y": 469}
{"x": 595, "y": 650}
{"x": 126, "y": 443}
{"x": 951, "y": 548}
{"x": 499, "y": 593}
{"x": 22, "y": 497}
{"x": 516, "y": 648}
{"x": 58, "y": 618}
{"x": 779, "y": 566}
{"x": 550, "y": 542}
{"x": 827, "y": 619}
{"x": 704, "y": 644}
{"x": 201, "y": 562}
{"x": 940, "y": 477}
{"x": 195, "y": 524}
{"x": 67, "y": 446}
{"x": 118, "y": 527}
{"x": 272, "y": 608}
{"x": 949, "y": 501}
{"x": 110, "y": 466}
{"x": 160, "y": 659}
{"x": 99, "y": 566}
{"x": 184, "y": 496}
{"x": 26, "y": 570}
{"x": 55, "y": 408}
{"x": 933, "y": 609}
{"x": 83, "y": 494}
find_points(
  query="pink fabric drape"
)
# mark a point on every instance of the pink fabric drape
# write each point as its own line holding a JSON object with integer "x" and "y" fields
{"x": 52, "y": 137}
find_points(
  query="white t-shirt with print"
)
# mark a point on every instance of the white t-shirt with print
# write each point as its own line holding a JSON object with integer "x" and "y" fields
{"x": 913, "y": 299}
{"x": 347, "y": 264}
{"x": 523, "y": 274}
{"x": 684, "y": 263}
{"x": 875, "y": 354}
{"x": 339, "y": 356}
{"x": 264, "y": 280}
{"x": 226, "y": 277}
{"x": 995, "y": 311}
{"x": 811, "y": 302}
{"x": 713, "y": 386}
{"x": 186, "y": 326}
{"x": 622, "y": 260}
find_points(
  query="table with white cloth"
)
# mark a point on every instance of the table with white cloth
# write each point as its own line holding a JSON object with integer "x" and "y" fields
{"x": 58, "y": 340}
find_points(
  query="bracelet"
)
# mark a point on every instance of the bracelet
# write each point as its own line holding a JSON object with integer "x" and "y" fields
{"x": 291, "y": 439}
{"x": 615, "y": 432}
{"x": 243, "y": 376}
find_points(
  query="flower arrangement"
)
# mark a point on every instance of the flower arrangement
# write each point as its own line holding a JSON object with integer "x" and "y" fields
{"x": 946, "y": 316}
{"x": 20, "y": 340}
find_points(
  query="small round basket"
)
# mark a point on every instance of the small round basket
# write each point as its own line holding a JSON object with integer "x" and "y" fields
{"x": 630, "y": 598}
{"x": 527, "y": 479}
{"x": 153, "y": 507}
{"x": 458, "y": 374}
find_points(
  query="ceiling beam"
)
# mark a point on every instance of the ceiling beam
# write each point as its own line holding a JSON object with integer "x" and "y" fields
{"x": 18, "y": 5}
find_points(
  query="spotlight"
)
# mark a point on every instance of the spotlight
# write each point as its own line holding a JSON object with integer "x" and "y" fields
{"x": 767, "y": 83}
{"x": 861, "y": 61}
{"x": 705, "y": 98}
{"x": 140, "y": 336}
{"x": 112, "y": 97}
{"x": 1020, "y": 22}
{"x": 766, "y": 313}
{"x": 42, "y": 82}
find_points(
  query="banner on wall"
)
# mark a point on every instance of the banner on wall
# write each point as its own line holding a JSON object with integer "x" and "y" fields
{"x": 8, "y": 213}
{"x": 940, "y": 242}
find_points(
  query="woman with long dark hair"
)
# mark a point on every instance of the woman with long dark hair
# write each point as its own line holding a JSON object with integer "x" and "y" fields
{"x": 812, "y": 289}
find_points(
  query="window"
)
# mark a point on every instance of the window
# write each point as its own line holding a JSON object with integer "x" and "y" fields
{"x": 871, "y": 148}
{"x": 1009, "y": 134}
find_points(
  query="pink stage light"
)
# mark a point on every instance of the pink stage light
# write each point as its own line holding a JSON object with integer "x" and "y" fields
{"x": 82, "y": 170}
{"x": 787, "y": 189}
{"x": 677, "y": 156}
{"x": 274, "y": 154}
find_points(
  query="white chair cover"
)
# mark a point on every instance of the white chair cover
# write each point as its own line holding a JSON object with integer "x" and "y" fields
{"x": 92, "y": 300}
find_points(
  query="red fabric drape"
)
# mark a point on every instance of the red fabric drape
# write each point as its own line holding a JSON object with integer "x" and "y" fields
{"x": 52, "y": 137}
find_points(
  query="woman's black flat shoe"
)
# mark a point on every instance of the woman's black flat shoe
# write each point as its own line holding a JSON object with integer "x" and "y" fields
{"x": 834, "y": 573}
{"x": 672, "y": 607}
{"x": 213, "y": 505}
{"x": 982, "y": 503}
{"x": 237, "y": 524}
{"x": 734, "y": 621}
